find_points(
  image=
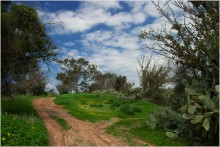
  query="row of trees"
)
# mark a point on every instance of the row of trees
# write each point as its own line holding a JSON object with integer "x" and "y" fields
{"x": 80, "y": 76}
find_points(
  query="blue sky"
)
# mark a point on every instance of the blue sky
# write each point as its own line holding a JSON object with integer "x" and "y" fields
{"x": 103, "y": 32}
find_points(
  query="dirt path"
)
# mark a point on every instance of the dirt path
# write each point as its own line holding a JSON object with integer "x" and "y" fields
{"x": 81, "y": 133}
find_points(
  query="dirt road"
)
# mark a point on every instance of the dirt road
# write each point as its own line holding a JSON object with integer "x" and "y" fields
{"x": 81, "y": 133}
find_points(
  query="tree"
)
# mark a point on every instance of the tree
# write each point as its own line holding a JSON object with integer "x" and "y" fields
{"x": 77, "y": 76}
{"x": 51, "y": 92}
{"x": 33, "y": 84}
{"x": 24, "y": 45}
{"x": 192, "y": 43}
{"x": 62, "y": 88}
{"x": 104, "y": 81}
{"x": 152, "y": 76}
{"x": 121, "y": 84}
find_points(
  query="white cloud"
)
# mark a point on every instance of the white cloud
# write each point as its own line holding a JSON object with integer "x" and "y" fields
{"x": 70, "y": 43}
{"x": 106, "y": 4}
{"x": 50, "y": 86}
{"x": 114, "y": 50}
{"x": 107, "y": 56}
{"x": 90, "y": 14}
{"x": 73, "y": 53}
{"x": 111, "y": 39}
{"x": 119, "y": 19}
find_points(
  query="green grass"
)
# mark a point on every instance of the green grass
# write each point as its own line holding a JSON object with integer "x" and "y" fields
{"x": 132, "y": 114}
{"x": 20, "y": 123}
{"x": 88, "y": 110}
{"x": 61, "y": 122}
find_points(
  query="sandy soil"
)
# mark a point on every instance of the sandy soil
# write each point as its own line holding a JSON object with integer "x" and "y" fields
{"x": 81, "y": 133}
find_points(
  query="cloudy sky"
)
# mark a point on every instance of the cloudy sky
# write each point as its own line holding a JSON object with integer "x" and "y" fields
{"x": 103, "y": 32}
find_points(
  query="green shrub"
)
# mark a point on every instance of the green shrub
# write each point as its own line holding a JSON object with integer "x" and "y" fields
{"x": 115, "y": 104}
{"x": 136, "y": 109}
{"x": 98, "y": 95}
{"x": 127, "y": 110}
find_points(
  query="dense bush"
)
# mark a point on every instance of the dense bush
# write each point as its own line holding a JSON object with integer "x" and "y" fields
{"x": 136, "y": 109}
{"x": 177, "y": 97}
{"x": 129, "y": 110}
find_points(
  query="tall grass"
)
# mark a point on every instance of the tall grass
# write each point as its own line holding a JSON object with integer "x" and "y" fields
{"x": 20, "y": 123}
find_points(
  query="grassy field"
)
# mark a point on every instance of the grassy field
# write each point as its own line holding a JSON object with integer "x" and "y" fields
{"x": 20, "y": 123}
{"x": 132, "y": 114}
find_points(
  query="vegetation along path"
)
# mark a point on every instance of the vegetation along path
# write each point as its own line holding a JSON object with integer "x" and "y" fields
{"x": 81, "y": 133}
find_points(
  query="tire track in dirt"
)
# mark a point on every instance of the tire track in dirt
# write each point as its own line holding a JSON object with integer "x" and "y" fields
{"x": 81, "y": 133}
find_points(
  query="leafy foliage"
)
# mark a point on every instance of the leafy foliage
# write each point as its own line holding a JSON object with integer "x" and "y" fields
{"x": 152, "y": 77}
{"x": 193, "y": 43}
{"x": 104, "y": 81}
{"x": 198, "y": 119}
{"x": 51, "y": 92}
{"x": 165, "y": 118}
{"x": 121, "y": 84}
{"x": 77, "y": 75}
{"x": 109, "y": 81}
{"x": 33, "y": 84}
{"x": 202, "y": 111}
{"x": 24, "y": 45}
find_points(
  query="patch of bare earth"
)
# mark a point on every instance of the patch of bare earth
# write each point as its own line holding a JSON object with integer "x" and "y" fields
{"x": 81, "y": 133}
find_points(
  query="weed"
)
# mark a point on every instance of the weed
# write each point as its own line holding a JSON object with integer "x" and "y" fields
{"x": 61, "y": 122}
